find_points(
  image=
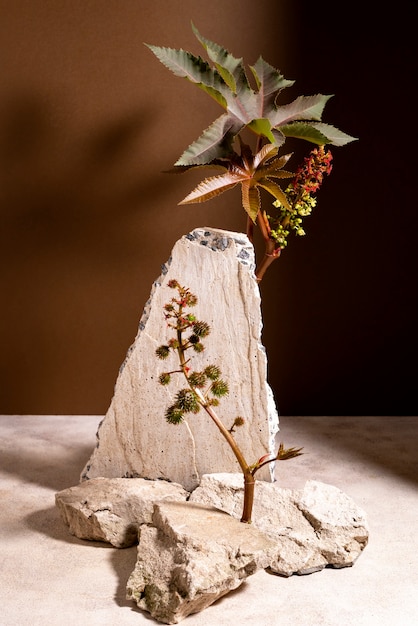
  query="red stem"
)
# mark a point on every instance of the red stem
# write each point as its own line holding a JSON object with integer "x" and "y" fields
{"x": 271, "y": 253}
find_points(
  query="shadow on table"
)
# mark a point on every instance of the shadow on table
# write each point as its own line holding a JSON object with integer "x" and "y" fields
{"x": 389, "y": 443}
{"x": 48, "y": 522}
{"x": 54, "y": 469}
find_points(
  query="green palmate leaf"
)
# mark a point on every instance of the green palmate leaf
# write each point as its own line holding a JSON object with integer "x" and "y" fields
{"x": 303, "y": 108}
{"x": 262, "y": 126}
{"x": 227, "y": 83}
{"x": 335, "y": 137}
{"x": 195, "y": 69}
{"x": 239, "y": 97}
{"x": 318, "y": 133}
{"x": 304, "y": 130}
{"x": 229, "y": 67}
{"x": 214, "y": 143}
{"x": 242, "y": 104}
{"x": 269, "y": 84}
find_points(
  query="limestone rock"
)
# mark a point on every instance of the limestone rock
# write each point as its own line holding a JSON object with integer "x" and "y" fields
{"x": 312, "y": 528}
{"x": 190, "y": 557}
{"x": 112, "y": 509}
{"x": 134, "y": 439}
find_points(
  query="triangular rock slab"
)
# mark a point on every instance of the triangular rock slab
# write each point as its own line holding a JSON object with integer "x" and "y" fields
{"x": 313, "y": 528}
{"x": 134, "y": 440}
{"x": 112, "y": 509}
{"x": 192, "y": 556}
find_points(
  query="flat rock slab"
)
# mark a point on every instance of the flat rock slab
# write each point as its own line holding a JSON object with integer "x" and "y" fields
{"x": 190, "y": 557}
{"x": 111, "y": 510}
{"x": 312, "y": 528}
{"x": 190, "y": 553}
{"x": 134, "y": 439}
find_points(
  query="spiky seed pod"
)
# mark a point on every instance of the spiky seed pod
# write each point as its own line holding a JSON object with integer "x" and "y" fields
{"x": 213, "y": 401}
{"x": 191, "y": 299}
{"x": 194, "y": 339}
{"x": 198, "y": 347}
{"x": 219, "y": 388}
{"x": 162, "y": 352}
{"x": 212, "y": 371}
{"x": 165, "y": 378}
{"x": 197, "y": 379}
{"x": 201, "y": 329}
{"x": 173, "y": 284}
{"x": 174, "y": 415}
{"x": 238, "y": 421}
{"x": 173, "y": 343}
{"x": 169, "y": 307}
{"x": 186, "y": 401}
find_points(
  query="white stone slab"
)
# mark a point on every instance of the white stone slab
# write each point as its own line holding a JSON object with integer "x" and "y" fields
{"x": 134, "y": 440}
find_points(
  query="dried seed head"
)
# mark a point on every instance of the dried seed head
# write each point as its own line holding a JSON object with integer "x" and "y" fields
{"x": 212, "y": 371}
{"x": 201, "y": 329}
{"x": 197, "y": 379}
{"x": 186, "y": 401}
{"x": 219, "y": 388}
{"x": 162, "y": 352}
{"x": 174, "y": 415}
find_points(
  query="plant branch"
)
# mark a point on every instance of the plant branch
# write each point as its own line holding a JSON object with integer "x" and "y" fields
{"x": 194, "y": 398}
{"x": 271, "y": 252}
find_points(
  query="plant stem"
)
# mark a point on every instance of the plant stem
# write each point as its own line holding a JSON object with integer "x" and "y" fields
{"x": 250, "y": 229}
{"x": 249, "y": 482}
{"x": 271, "y": 253}
{"x": 197, "y": 380}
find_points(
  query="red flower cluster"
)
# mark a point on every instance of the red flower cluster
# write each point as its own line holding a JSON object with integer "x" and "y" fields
{"x": 310, "y": 175}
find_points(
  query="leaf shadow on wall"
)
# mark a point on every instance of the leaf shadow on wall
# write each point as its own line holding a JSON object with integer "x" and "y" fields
{"x": 75, "y": 223}
{"x": 55, "y": 185}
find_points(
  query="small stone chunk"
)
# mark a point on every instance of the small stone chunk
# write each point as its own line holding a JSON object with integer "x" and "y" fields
{"x": 112, "y": 509}
{"x": 190, "y": 557}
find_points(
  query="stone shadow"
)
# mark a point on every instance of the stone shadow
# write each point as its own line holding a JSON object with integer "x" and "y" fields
{"x": 54, "y": 468}
{"x": 389, "y": 443}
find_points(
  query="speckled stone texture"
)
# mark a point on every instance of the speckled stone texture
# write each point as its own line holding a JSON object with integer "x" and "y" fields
{"x": 134, "y": 440}
{"x": 314, "y": 527}
{"x": 190, "y": 557}
{"x": 112, "y": 509}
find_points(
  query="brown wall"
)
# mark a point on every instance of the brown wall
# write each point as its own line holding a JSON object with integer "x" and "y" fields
{"x": 88, "y": 121}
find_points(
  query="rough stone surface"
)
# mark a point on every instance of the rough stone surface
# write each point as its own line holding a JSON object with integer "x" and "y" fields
{"x": 112, "y": 509}
{"x": 190, "y": 557}
{"x": 315, "y": 527}
{"x": 134, "y": 439}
